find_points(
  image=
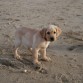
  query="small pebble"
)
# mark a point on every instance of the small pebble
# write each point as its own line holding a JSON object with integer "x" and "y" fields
{"x": 25, "y": 71}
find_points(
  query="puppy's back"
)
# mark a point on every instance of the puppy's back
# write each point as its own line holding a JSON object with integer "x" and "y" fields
{"x": 25, "y": 36}
{"x": 22, "y": 31}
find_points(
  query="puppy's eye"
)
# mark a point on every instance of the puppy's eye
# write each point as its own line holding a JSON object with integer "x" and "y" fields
{"x": 54, "y": 32}
{"x": 48, "y": 33}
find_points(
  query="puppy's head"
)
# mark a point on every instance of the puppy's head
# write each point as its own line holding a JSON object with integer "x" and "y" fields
{"x": 51, "y": 33}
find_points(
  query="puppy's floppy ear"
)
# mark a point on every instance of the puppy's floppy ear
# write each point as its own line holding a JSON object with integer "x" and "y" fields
{"x": 43, "y": 32}
{"x": 58, "y": 30}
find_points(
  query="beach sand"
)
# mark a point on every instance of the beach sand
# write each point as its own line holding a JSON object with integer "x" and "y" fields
{"x": 66, "y": 53}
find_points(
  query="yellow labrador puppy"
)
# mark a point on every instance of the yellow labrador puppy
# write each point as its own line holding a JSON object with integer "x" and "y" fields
{"x": 36, "y": 40}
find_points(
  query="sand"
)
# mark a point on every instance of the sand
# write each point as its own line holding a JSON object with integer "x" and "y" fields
{"x": 66, "y": 53}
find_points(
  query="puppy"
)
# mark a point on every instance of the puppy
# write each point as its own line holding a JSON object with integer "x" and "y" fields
{"x": 36, "y": 40}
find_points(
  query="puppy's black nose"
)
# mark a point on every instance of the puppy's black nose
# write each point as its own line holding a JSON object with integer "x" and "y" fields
{"x": 51, "y": 39}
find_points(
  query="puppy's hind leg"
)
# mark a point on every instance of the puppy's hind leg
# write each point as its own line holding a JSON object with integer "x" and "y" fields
{"x": 17, "y": 56}
{"x": 30, "y": 49}
{"x": 17, "y": 45}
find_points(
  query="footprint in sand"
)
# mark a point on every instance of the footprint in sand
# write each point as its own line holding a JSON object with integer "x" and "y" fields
{"x": 77, "y": 48}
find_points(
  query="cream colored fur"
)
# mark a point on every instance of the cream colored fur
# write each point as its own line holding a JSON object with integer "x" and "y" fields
{"x": 35, "y": 40}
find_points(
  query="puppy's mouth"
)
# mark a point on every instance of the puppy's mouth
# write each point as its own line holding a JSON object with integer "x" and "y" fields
{"x": 52, "y": 39}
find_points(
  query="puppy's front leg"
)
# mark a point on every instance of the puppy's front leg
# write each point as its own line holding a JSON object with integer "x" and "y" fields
{"x": 35, "y": 56}
{"x": 43, "y": 52}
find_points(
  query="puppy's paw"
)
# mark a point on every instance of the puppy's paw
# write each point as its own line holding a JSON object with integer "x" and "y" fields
{"x": 46, "y": 59}
{"x": 36, "y": 62}
{"x": 18, "y": 57}
{"x": 37, "y": 65}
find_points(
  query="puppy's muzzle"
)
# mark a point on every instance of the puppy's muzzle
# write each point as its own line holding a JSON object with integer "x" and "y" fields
{"x": 51, "y": 39}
